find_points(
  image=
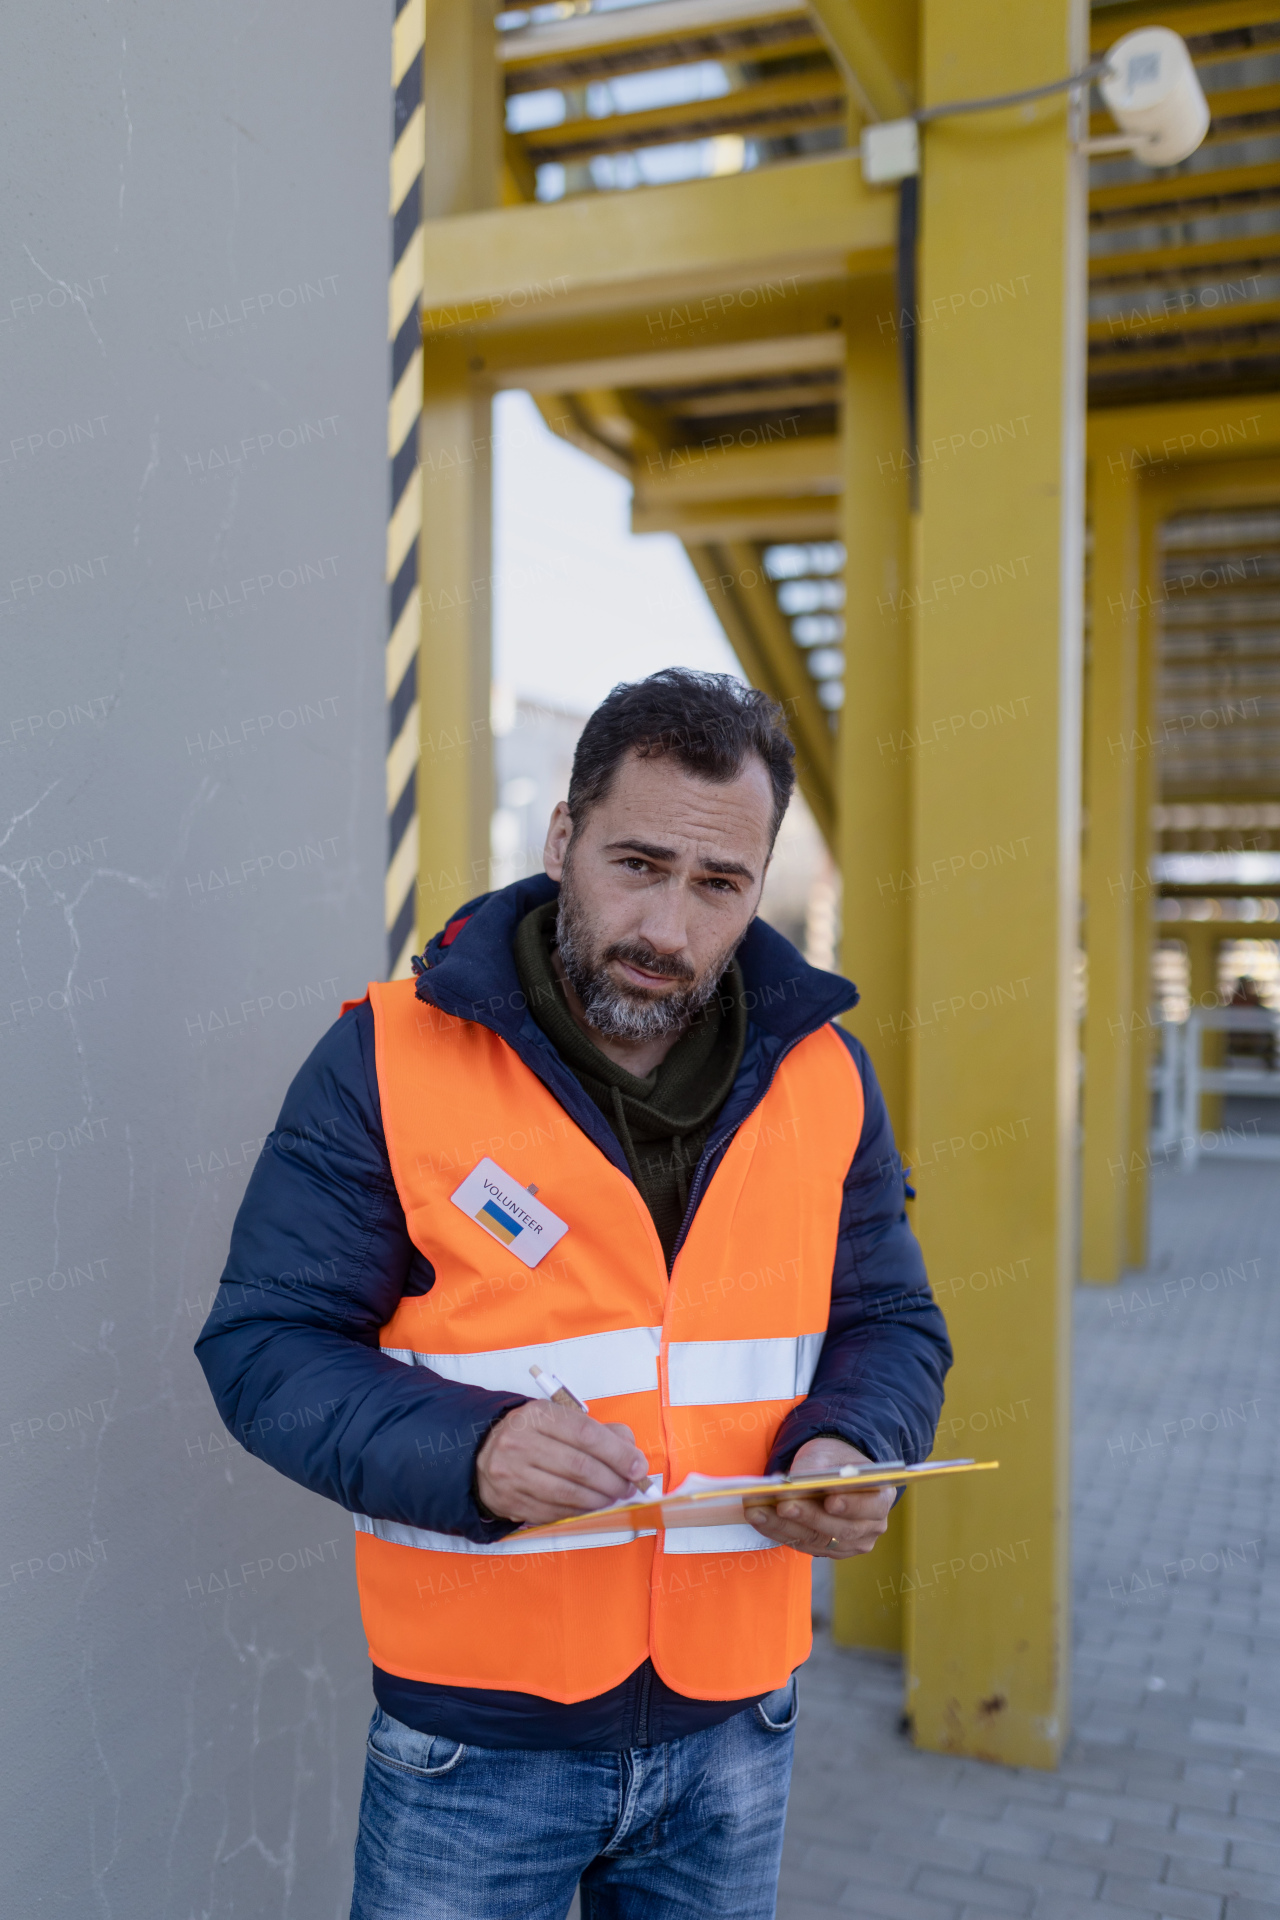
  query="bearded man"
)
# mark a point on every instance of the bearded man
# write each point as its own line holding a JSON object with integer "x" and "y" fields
{"x": 609, "y": 1131}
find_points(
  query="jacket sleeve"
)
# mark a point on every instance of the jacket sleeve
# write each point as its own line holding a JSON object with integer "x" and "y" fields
{"x": 320, "y": 1258}
{"x": 879, "y": 1379}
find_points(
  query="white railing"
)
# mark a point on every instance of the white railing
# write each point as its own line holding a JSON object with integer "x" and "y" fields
{"x": 1166, "y": 1084}
{"x": 1180, "y": 1077}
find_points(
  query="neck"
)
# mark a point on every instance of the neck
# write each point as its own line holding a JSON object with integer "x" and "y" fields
{"x": 638, "y": 1057}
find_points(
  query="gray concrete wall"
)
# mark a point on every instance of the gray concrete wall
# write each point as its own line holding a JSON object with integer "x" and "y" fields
{"x": 192, "y": 499}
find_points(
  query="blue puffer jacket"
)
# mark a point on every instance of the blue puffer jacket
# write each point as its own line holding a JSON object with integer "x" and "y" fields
{"x": 320, "y": 1257}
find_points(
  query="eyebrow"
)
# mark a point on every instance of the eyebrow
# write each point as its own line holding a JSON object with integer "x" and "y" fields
{"x": 727, "y": 868}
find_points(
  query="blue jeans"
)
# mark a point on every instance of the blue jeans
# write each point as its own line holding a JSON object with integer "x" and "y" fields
{"x": 691, "y": 1828}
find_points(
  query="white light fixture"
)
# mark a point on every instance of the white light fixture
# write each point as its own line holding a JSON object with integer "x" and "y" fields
{"x": 1153, "y": 94}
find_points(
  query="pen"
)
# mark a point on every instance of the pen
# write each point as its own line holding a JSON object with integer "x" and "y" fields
{"x": 553, "y": 1389}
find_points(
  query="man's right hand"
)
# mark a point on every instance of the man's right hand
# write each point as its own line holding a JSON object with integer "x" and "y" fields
{"x": 543, "y": 1462}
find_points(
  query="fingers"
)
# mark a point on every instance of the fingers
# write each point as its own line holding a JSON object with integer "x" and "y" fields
{"x": 543, "y": 1462}
{"x": 612, "y": 1447}
{"x": 813, "y": 1527}
{"x": 876, "y": 1503}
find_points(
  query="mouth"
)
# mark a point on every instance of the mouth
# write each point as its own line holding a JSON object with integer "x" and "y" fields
{"x": 643, "y": 977}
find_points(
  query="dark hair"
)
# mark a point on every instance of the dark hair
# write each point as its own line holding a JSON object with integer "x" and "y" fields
{"x": 709, "y": 722}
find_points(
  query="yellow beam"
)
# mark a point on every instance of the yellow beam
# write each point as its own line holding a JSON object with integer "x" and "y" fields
{"x": 1151, "y": 437}
{"x": 874, "y": 44}
{"x": 1137, "y": 328}
{"x": 1202, "y": 16}
{"x": 537, "y": 333}
{"x": 721, "y": 520}
{"x": 741, "y": 595}
{"x": 811, "y": 725}
{"x": 1168, "y": 196}
{"x": 1264, "y": 785}
{"x": 992, "y": 887}
{"x": 1155, "y": 265}
{"x": 754, "y": 400}
{"x": 808, "y": 220}
{"x": 1220, "y": 539}
{"x": 1227, "y": 483}
{"x": 783, "y": 467}
{"x": 667, "y": 33}
{"x": 566, "y": 416}
{"x": 683, "y": 366}
{"x": 519, "y": 178}
{"x": 609, "y": 420}
{"x": 1227, "y": 927}
{"x": 768, "y": 107}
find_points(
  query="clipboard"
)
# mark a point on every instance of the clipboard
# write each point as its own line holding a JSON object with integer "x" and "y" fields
{"x": 702, "y": 1500}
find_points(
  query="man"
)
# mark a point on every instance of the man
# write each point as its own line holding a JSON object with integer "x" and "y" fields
{"x": 610, "y": 1131}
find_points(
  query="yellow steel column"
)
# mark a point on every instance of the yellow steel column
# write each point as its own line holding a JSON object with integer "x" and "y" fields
{"x": 1113, "y": 749}
{"x": 1203, "y": 939}
{"x": 994, "y": 875}
{"x": 876, "y": 746}
{"x": 1222, "y": 482}
{"x": 1142, "y": 899}
{"x": 456, "y": 570}
{"x": 869, "y": 1598}
{"x": 462, "y": 103}
{"x": 874, "y": 806}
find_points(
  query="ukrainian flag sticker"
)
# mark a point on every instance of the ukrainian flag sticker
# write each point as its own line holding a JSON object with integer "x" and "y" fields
{"x": 499, "y": 1204}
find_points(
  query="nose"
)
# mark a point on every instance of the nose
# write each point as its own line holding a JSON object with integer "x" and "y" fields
{"x": 665, "y": 922}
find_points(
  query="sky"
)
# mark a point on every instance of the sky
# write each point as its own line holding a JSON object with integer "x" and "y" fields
{"x": 580, "y": 602}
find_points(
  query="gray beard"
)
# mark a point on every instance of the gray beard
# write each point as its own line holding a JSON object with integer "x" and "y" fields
{"x": 622, "y": 1013}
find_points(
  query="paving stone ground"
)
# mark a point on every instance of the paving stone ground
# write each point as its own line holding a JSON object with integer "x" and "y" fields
{"x": 1168, "y": 1797}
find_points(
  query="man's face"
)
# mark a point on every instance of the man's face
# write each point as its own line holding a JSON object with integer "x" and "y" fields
{"x": 657, "y": 888}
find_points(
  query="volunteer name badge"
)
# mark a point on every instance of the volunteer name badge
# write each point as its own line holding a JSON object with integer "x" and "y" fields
{"x": 509, "y": 1212}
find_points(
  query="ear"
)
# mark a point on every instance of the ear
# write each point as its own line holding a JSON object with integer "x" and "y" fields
{"x": 559, "y": 834}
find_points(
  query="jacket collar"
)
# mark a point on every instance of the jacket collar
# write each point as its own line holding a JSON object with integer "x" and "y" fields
{"x": 468, "y": 970}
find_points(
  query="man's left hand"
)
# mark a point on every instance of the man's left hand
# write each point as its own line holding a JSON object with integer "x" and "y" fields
{"x": 834, "y": 1527}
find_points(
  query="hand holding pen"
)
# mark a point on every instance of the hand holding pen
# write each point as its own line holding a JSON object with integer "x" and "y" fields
{"x": 549, "y": 1458}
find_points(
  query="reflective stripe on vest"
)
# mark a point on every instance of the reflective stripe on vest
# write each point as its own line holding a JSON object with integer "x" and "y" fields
{"x": 596, "y": 1365}
{"x": 674, "y": 1540}
{"x": 599, "y": 1365}
{"x": 703, "y": 1365}
{"x": 423, "y": 1542}
{"x": 731, "y": 1372}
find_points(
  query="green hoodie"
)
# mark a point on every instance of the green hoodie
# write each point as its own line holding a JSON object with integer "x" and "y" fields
{"x": 662, "y": 1122}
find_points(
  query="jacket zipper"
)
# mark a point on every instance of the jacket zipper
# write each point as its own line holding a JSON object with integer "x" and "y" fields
{"x": 642, "y": 1704}
{"x": 713, "y": 1146}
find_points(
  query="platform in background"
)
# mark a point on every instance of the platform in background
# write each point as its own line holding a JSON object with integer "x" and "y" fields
{"x": 1168, "y": 1798}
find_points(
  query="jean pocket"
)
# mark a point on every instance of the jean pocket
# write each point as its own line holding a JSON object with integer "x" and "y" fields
{"x": 426, "y": 1755}
{"x": 778, "y": 1711}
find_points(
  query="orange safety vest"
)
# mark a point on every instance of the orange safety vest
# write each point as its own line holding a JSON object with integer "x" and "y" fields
{"x": 703, "y": 1366}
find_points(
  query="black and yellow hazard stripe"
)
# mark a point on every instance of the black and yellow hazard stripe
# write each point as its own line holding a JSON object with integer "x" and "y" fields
{"x": 408, "y": 156}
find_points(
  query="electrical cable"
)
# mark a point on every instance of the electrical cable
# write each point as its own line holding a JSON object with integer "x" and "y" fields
{"x": 949, "y": 107}
{"x": 908, "y": 233}
{"x": 907, "y": 291}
